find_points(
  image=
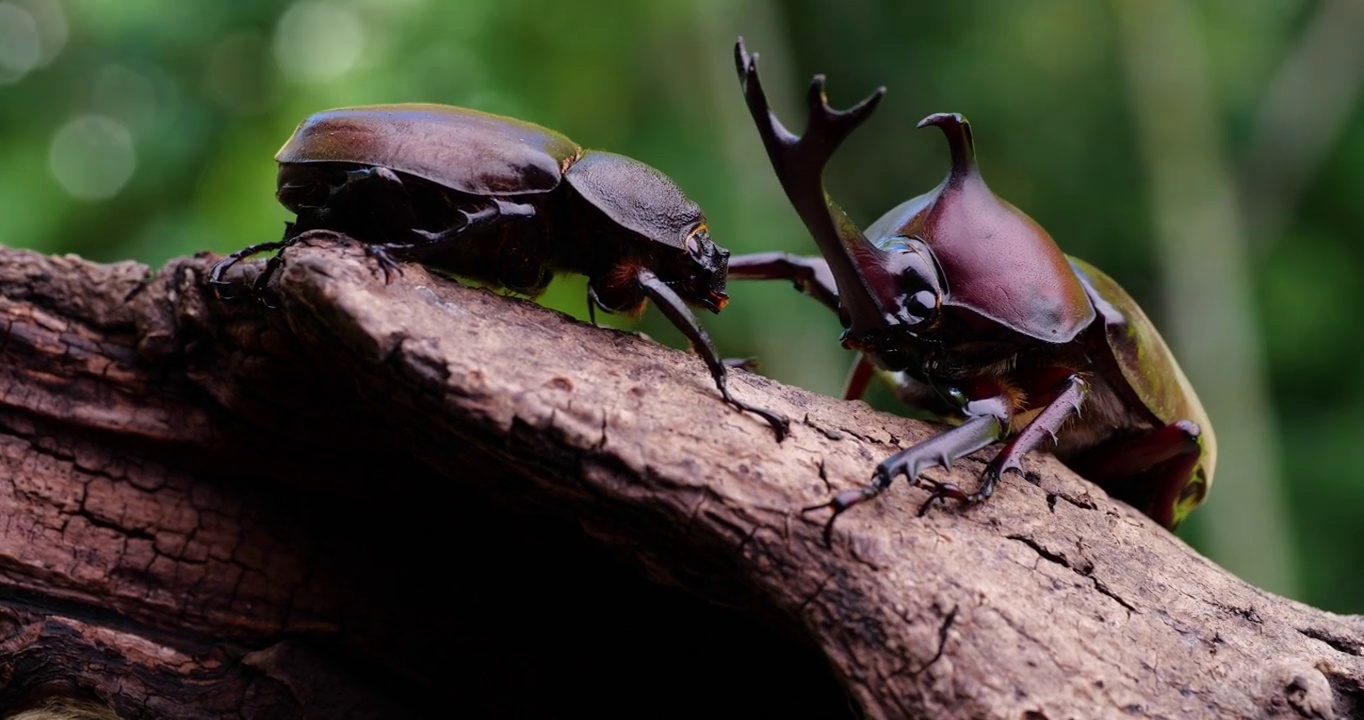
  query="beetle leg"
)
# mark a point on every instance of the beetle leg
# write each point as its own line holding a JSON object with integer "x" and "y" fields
{"x": 859, "y": 377}
{"x": 272, "y": 265}
{"x": 1150, "y": 472}
{"x": 1047, "y": 423}
{"x": 220, "y": 268}
{"x": 593, "y": 302}
{"x": 810, "y": 275}
{"x": 682, "y": 318}
{"x": 986, "y": 424}
{"x": 427, "y": 243}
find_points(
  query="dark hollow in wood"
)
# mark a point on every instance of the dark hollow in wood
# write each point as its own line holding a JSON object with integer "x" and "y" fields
{"x": 381, "y": 499}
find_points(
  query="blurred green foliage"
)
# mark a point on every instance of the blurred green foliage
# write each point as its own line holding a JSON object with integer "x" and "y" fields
{"x": 145, "y": 130}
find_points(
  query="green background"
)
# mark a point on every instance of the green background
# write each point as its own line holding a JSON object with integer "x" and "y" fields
{"x": 1207, "y": 155}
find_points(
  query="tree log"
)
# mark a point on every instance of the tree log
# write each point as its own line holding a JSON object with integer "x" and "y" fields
{"x": 380, "y": 498}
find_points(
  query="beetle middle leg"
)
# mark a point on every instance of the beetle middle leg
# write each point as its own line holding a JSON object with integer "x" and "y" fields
{"x": 1047, "y": 423}
{"x": 425, "y": 243}
{"x": 677, "y": 313}
{"x": 988, "y": 419}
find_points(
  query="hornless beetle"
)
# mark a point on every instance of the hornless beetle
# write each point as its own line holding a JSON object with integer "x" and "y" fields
{"x": 504, "y": 202}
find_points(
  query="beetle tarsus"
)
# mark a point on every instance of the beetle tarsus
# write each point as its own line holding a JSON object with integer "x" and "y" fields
{"x": 386, "y": 263}
{"x": 939, "y": 451}
{"x": 780, "y": 425}
{"x": 220, "y": 268}
{"x": 845, "y": 499}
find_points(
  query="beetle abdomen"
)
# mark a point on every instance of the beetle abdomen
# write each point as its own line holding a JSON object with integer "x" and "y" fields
{"x": 465, "y": 150}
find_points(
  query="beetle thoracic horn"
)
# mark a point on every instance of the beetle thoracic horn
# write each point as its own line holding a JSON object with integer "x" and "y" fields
{"x": 958, "y": 132}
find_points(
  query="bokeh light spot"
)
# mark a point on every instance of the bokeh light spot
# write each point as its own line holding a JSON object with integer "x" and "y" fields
{"x": 92, "y": 157}
{"x": 52, "y": 29}
{"x": 20, "y": 46}
{"x": 317, "y": 41}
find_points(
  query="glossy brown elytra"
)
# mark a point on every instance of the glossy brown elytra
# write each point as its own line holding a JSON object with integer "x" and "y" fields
{"x": 982, "y": 318}
{"x": 507, "y": 203}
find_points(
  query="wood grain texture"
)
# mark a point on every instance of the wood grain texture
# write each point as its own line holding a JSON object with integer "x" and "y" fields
{"x": 382, "y": 496}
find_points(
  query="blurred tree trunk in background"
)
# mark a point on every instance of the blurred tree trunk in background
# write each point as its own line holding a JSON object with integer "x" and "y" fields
{"x": 1210, "y": 322}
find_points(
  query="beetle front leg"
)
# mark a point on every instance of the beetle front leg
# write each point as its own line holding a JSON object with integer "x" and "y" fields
{"x": 810, "y": 275}
{"x": 987, "y": 423}
{"x": 676, "y": 311}
{"x": 1044, "y": 426}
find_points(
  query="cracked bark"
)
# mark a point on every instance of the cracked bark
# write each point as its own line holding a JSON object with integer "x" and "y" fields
{"x": 380, "y": 498}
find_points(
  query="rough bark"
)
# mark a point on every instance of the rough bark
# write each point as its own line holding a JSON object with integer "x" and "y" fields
{"x": 379, "y": 497}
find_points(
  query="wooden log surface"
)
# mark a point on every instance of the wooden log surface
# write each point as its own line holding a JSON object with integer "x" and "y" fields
{"x": 376, "y": 499}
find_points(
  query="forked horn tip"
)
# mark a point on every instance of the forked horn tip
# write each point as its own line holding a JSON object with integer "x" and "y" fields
{"x": 746, "y": 61}
{"x": 871, "y": 101}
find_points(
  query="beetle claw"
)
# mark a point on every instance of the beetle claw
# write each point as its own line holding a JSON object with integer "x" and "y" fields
{"x": 387, "y": 264}
{"x": 839, "y": 503}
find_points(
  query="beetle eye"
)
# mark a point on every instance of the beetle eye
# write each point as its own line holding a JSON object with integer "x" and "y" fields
{"x": 695, "y": 240}
{"x": 915, "y": 269}
{"x": 922, "y": 303}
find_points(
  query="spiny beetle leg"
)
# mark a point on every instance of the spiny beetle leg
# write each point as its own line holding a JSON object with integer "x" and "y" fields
{"x": 682, "y": 318}
{"x": 593, "y": 302}
{"x": 938, "y": 451}
{"x": 1010, "y": 457}
{"x": 859, "y": 377}
{"x": 810, "y": 276}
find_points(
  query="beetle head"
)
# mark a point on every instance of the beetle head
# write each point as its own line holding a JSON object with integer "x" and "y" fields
{"x": 661, "y": 227}
{"x": 914, "y": 294}
{"x": 994, "y": 261}
{"x": 904, "y": 279}
{"x": 699, "y": 271}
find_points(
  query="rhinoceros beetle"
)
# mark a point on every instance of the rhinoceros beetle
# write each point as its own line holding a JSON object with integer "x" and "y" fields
{"x": 504, "y": 202}
{"x": 977, "y": 312}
